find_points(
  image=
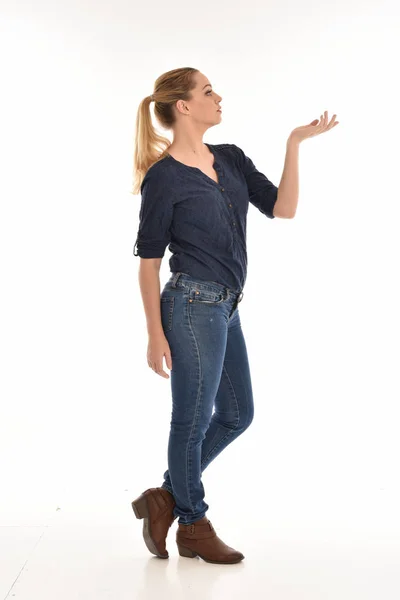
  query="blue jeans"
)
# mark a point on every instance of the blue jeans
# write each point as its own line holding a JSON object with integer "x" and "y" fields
{"x": 210, "y": 370}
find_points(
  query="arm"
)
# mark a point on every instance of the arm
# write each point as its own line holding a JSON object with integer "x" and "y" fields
{"x": 262, "y": 192}
{"x": 155, "y": 219}
{"x": 271, "y": 200}
{"x": 288, "y": 191}
{"x": 158, "y": 347}
{"x": 149, "y": 282}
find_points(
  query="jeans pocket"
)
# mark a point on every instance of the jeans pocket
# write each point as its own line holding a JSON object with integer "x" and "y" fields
{"x": 204, "y": 296}
{"x": 167, "y": 309}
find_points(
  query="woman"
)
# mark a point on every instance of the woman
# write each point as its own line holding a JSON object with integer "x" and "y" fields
{"x": 195, "y": 199}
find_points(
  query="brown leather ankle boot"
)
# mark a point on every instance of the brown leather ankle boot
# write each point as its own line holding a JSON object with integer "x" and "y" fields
{"x": 200, "y": 539}
{"x": 155, "y": 506}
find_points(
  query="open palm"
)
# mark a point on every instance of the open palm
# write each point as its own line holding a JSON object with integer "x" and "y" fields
{"x": 314, "y": 128}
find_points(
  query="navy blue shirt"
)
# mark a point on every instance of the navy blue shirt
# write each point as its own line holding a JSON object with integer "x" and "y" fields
{"x": 202, "y": 222}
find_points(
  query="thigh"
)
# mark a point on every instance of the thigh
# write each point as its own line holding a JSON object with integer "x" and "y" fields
{"x": 234, "y": 400}
{"x": 197, "y": 335}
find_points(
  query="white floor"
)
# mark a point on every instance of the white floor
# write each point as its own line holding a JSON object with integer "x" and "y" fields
{"x": 311, "y": 546}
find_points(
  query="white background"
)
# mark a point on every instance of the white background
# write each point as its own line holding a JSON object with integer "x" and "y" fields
{"x": 84, "y": 421}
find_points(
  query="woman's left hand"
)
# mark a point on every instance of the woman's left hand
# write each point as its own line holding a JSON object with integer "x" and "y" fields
{"x": 314, "y": 128}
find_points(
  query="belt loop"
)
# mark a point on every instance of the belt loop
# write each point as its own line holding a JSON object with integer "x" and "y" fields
{"x": 175, "y": 278}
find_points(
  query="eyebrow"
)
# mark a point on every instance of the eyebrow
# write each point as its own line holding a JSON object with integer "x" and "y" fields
{"x": 207, "y": 85}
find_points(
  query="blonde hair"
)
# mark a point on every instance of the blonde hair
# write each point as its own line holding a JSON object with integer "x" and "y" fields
{"x": 169, "y": 87}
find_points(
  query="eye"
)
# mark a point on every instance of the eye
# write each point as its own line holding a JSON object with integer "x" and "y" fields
{"x": 209, "y": 92}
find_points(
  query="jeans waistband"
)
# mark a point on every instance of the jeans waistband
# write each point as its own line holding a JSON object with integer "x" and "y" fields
{"x": 207, "y": 284}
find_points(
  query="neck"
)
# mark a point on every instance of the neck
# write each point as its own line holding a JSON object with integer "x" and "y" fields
{"x": 189, "y": 144}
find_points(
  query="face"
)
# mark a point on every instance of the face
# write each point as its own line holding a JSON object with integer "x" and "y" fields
{"x": 202, "y": 108}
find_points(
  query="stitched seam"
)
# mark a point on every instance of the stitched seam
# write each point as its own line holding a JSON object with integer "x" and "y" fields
{"x": 232, "y": 430}
{"x": 196, "y": 407}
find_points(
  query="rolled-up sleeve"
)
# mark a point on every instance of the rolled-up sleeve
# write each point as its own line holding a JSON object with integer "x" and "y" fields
{"x": 155, "y": 217}
{"x": 262, "y": 192}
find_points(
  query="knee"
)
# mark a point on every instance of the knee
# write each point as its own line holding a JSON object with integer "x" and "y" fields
{"x": 246, "y": 421}
{"x": 235, "y": 423}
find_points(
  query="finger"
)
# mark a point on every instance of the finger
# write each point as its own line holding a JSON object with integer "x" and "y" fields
{"x": 319, "y": 127}
{"x": 158, "y": 368}
{"x": 168, "y": 360}
{"x": 323, "y": 125}
{"x": 161, "y": 372}
{"x": 332, "y": 123}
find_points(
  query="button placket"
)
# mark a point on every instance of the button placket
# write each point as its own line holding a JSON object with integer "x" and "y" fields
{"x": 230, "y": 206}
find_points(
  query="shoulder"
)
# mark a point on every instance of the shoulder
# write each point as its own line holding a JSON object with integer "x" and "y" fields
{"x": 231, "y": 152}
{"x": 228, "y": 149}
{"x": 157, "y": 174}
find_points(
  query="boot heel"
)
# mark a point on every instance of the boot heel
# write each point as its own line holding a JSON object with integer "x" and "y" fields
{"x": 183, "y": 551}
{"x": 140, "y": 507}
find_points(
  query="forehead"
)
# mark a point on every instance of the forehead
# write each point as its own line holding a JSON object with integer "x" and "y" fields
{"x": 202, "y": 81}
